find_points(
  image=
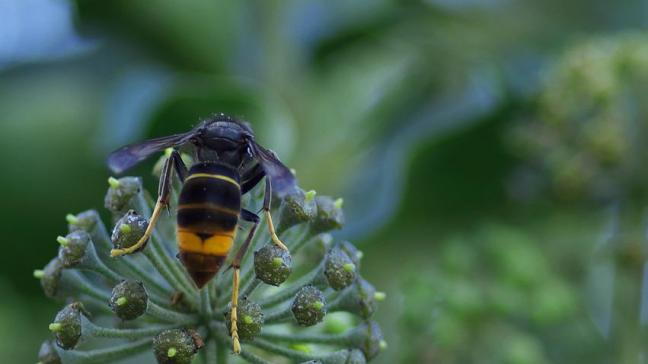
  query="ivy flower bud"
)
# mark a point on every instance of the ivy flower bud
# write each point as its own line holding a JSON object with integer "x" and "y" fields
{"x": 319, "y": 245}
{"x": 272, "y": 264}
{"x": 67, "y": 326}
{"x": 129, "y": 300}
{"x": 309, "y": 306}
{"x": 128, "y": 230}
{"x": 50, "y": 277}
{"x": 298, "y": 207}
{"x": 369, "y": 338}
{"x": 250, "y": 319}
{"x": 47, "y": 354}
{"x": 324, "y": 241}
{"x": 120, "y": 193}
{"x": 338, "y": 322}
{"x": 73, "y": 248}
{"x": 86, "y": 221}
{"x": 339, "y": 269}
{"x": 352, "y": 252}
{"x": 176, "y": 346}
{"x": 329, "y": 215}
{"x": 359, "y": 299}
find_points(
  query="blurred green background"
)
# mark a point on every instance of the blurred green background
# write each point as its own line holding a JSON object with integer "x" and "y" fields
{"x": 491, "y": 153}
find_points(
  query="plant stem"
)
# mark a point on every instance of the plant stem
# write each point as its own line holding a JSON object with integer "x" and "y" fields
{"x": 99, "y": 304}
{"x": 289, "y": 292}
{"x": 131, "y": 334}
{"x": 176, "y": 270}
{"x": 79, "y": 282}
{"x": 252, "y": 358}
{"x": 295, "y": 355}
{"x": 212, "y": 289}
{"x": 205, "y": 304}
{"x": 340, "y": 339}
{"x": 278, "y": 316}
{"x": 148, "y": 279}
{"x": 157, "y": 263}
{"x": 210, "y": 351}
{"x": 249, "y": 289}
{"x": 335, "y": 300}
{"x": 305, "y": 238}
{"x": 221, "y": 353}
{"x": 109, "y": 355}
{"x": 164, "y": 314}
{"x": 92, "y": 263}
{"x": 219, "y": 330}
{"x": 101, "y": 238}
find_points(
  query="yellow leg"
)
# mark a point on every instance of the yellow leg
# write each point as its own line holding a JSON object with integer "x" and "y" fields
{"x": 236, "y": 345}
{"x": 273, "y": 234}
{"x": 147, "y": 234}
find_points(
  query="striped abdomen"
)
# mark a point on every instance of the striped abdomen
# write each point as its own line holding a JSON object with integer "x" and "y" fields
{"x": 208, "y": 210}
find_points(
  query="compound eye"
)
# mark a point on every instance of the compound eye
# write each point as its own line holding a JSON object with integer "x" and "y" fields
{"x": 196, "y": 139}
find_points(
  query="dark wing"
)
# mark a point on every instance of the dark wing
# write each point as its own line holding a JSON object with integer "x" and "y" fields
{"x": 128, "y": 156}
{"x": 281, "y": 179}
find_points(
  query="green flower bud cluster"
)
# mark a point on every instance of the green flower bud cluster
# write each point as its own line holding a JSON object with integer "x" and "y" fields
{"x": 154, "y": 306}
{"x": 587, "y": 132}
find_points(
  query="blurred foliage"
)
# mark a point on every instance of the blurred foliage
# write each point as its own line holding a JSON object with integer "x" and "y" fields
{"x": 407, "y": 109}
{"x": 493, "y": 291}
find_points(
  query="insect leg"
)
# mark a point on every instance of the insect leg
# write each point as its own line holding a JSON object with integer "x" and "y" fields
{"x": 266, "y": 209}
{"x": 180, "y": 167}
{"x": 251, "y": 178}
{"x": 164, "y": 190}
{"x": 236, "y": 264}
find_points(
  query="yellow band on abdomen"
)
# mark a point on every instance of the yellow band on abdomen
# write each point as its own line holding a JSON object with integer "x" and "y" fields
{"x": 217, "y": 244}
{"x": 214, "y": 176}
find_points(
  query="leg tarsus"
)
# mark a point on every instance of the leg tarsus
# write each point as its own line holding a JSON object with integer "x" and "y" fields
{"x": 273, "y": 234}
{"x": 266, "y": 209}
{"x": 164, "y": 190}
{"x": 147, "y": 234}
{"x": 236, "y": 264}
{"x": 236, "y": 345}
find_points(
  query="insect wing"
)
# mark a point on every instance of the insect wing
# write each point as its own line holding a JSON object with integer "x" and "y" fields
{"x": 281, "y": 179}
{"x": 128, "y": 156}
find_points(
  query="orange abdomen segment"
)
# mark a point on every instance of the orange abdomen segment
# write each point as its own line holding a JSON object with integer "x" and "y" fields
{"x": 203, "y": 255}
{"x": 208, "y": 244}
